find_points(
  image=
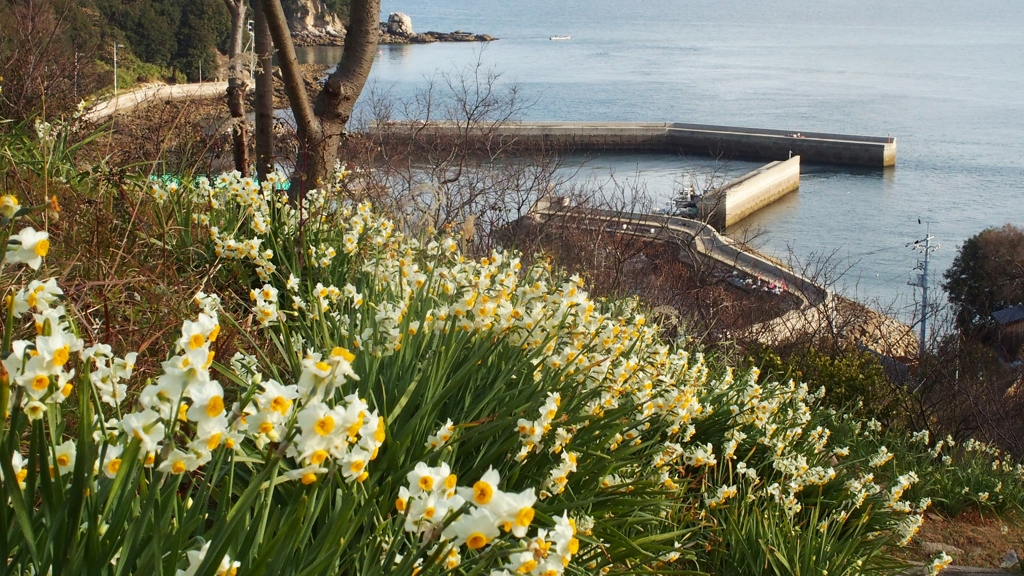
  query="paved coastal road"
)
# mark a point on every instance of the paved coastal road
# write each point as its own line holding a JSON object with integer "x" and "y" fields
{"x": 127, "y": 101}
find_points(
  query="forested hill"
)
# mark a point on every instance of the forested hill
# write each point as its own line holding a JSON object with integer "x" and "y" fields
{"x": 181, "y": 35}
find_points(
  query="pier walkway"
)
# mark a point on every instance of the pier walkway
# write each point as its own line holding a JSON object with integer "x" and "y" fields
{"x": 693, "y": 234}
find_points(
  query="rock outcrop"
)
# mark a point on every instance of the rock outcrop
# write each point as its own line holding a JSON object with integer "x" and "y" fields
{"x": 398, "y": 30}
{"x": 399, "y": 24}
{"x": 312, "y": 24}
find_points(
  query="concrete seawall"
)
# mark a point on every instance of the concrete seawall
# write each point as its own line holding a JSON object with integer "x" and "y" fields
{"x": 718, "y": 141}
{"x": 749, "y": 193}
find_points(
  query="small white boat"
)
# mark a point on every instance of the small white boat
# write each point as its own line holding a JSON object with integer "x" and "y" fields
{"x": 560, "y": 37}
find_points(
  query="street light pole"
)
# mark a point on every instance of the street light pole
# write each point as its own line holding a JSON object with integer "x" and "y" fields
{"x": 252, "y": 52}
{"x": 116, "y": 46}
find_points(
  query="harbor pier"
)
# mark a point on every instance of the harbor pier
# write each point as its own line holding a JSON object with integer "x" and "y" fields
{"x": 783, "y": 150}
{"x": 724, "y": 142}
{"x": 747, "y": 194}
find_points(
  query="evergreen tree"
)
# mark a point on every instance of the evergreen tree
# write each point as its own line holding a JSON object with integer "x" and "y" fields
{"x": 986, "y": 275}
{"x": 203, "y": 26}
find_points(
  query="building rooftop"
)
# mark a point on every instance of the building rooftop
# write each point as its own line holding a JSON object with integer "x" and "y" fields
{"x": 1008, "y": 316}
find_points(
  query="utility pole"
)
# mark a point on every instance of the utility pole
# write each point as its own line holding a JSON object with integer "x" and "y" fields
{"x": 924, "y": 246}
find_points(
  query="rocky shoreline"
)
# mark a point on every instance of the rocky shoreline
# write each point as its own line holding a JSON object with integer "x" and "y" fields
{"x": 428, "y": 37}
{"x": 396, "y": 30}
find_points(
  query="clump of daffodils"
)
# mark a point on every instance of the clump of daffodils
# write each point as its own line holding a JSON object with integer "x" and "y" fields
{"x": 341, "y": 293}
{"x": 939, "y": 563}
{"x": 475, "y": 517}
{"x": 531, "y": 432}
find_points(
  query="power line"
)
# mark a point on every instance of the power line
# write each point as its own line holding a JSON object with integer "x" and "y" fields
{"x": 873, "y": 252}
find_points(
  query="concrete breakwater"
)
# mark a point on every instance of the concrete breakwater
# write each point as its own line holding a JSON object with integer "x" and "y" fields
{"x": 724, "y": 142}
{"x": 747, "y": 194}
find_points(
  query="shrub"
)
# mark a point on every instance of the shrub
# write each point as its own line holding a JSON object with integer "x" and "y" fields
{"x": 855, "y": 380}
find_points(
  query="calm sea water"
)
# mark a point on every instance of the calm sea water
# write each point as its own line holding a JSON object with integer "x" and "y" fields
{"x": 945, "y": 77}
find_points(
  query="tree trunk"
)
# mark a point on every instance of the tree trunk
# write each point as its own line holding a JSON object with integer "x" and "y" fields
{"x": 264, "y": 93}
{"x": 321, "y": 126}
{"x": 237, "y": 85}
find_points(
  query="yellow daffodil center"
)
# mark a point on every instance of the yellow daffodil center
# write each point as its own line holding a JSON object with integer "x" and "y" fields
{"x": 339, "y": 352}
{"x": 280, "y": 405}
{"x": 318, "y": 457}
{"x": 323, "y": 366}
{"x": 400, "y": 504}
{"x": 63, "y": 460}
{"x": 527, "y": 566}
{"x": 308, "y": 478}
{"x": 482, "y": 492}
{"x": 450, "y": 481}
{"x": 379, "y": 434}
{"x": 324, "y": 426}
{"x": 215, "y": 407}
{"x": 357, "y": 466}
{"x": 426, "y": 483}
{"x": 178, "y": 467}
{"x": 476, "y": 541}
{"x": 214, "y": 441}
{"x": 524, "y": 517}
{"x": 266, "y": 427}
{"x": 42, "y": 247}
{"x": 214, "y": 333}
{"x": 66, "y": 390}
{"x": 114, "y": 465}
{"x": 21, "y": 475}
{"x": 40, "y": 382}
{"x": 196, "y": 341}
{"x": 60, "y": 356}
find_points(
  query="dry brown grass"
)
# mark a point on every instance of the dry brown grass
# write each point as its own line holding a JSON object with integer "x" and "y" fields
{"x": 123, "y": 286}
{"x": 978, "y": 536}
